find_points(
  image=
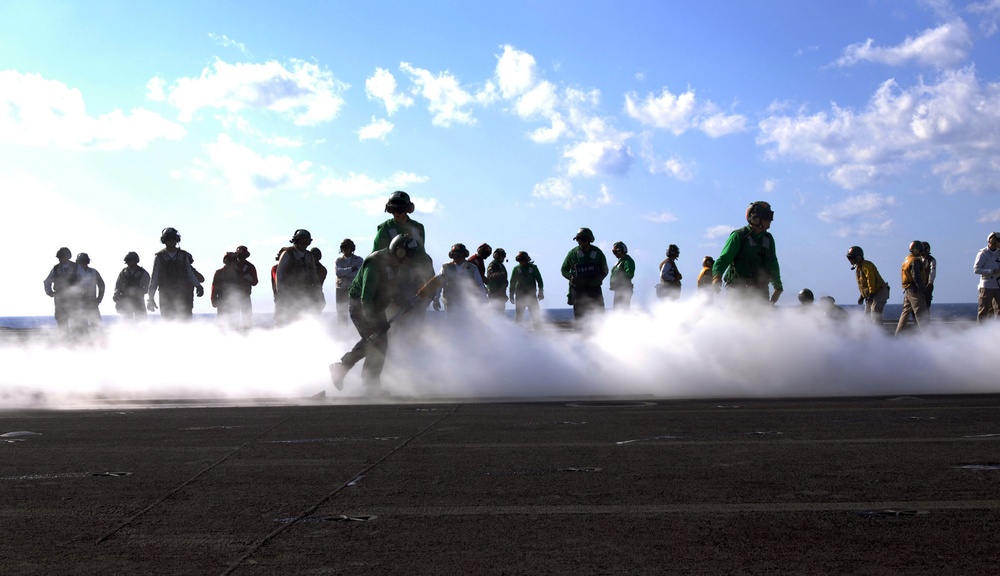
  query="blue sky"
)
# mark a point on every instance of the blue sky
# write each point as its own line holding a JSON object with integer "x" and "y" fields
{"x": 872, "y": 123}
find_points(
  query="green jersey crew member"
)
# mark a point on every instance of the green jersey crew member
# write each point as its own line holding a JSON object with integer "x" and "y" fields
{"x": 525, "y": 279}
{"x": 748, "y": 262}
{"x": 585, "y": 267}
{"x": 622, "y": 274}
{"x": 417, "y": 269}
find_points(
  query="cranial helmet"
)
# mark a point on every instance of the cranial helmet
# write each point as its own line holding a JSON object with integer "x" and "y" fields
{"x": 168, "y": 234}
{"x": 584, "y": 234}
{"x": 618, "y": 247}
{"x": 499, "y": 253}
{"x": 927, "y": 248}
{"x": 242, "y": 252}
{"x": 317, "y": 253}
{"x": 458, "y": 251}
{"x": 673, "y": 251}
{"x": 484, "y": 250}
{"x": 301, "y": 234}
{"x": 132, "y": 257}
{"x": 399, "y": 201}
{"x": 83, "y": 258}
{"x": 64, "y": 253}
{"x": 759, "y": 211}
{"x": 403, "y": 246}
{"x": 806, "y": 295}
{"x": 916, "y": 247}
{"x": 855, "y": 253}
{"x": 347, "y": 245}
{"x": 522, "y": 257}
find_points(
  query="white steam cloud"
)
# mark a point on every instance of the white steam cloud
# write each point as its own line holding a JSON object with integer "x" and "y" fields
{"x": 674, "y": 350}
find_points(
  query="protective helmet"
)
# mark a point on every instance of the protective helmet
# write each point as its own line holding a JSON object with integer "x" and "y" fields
{"x": 301, "y": 234}
{"x": 399, "y": 201}
{"x": 855, "y": 253}
{"x": 347, "y": 245}
{"x": 170, "y": 233}
{"x": 927, "y": 248}
{"x": 403, "y": 246}
{"x": 499, "y": 254}
{"x": 242, "y": 252}
{"x": 707, "y": 262}
{"x": 584, "y": 234}
{"x": 317, "y": 253}
{"x": 229, "y": 257}
{"x": 132, "y": 257}
{"x": 83, "y": 258}
{"x": 618, "y": 247}
{"x": 806, "y": 295}
{"x": 484, "y": 250}
{"x": 522, "y": 257}
{"x": 916, "y": 247}
{"x": 759, "y": 211}
{"x": 458, "y": 251}
{"x": 993, "y": 235}
{"x": 64, "y": 253}
{"x": 673, "y": 251}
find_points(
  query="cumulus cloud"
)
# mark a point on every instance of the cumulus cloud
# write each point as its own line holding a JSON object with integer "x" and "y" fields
{"x": 988, "y": 217}
{"x": 227, "y": 42}
{"x": 953, "y": 126}
{"x": 300, "y": 91}
{"x": 560, "y": 192}
{"x": 35, "y": 111}
{"x": 989, "y": 12}
{"x": 382, "y": 86}
{"x": 673, "y": 167}
{"x": 378, "y": 129}
{"x": 376, "y": 205}
{"x": 939, "y": 47}
{"x": 447, "y": 100}
{"x": 718, "y": 231}
{"x": 661, "y": 218}
{"x": 680, "y": 113}
{"x": 862, "y": 215}
{"x": 249, "y": 174}
{"x": 355, "y": 185}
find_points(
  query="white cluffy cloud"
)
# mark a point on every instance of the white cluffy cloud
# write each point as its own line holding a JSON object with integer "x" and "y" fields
{"x": 359, "y": 185}
{"x": 680, "y": 113}
{"x": 447, "y": 100}
{"x": 560, "y": 192}
{"x": 382, "y": 86}
{"x": 300, "y": 91}
{"x": 248, "y": 174}
{"x": 378, "y": 129}
{"x": 940, "y": 47}
{"x": 862, "y": 215}
{"x": 35, "y": 111}
{"x": 953, "y": 126}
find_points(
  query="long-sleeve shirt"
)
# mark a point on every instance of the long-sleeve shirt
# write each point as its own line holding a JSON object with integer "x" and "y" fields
{"x": 373, "y": 285}
{"x": 524, "y": 279}
{"x": 622, "y": 273}
{"x": 869, "y": 280}
{"x": 912, "y": 273}
{"x": 346, "y": 268}
{"x": 179, "y": 261}
{"x": 585, "y": 268}
{"x": 749, "y": 258}
{"x": 987, "y": 267}
{"x": 91, "y": 284}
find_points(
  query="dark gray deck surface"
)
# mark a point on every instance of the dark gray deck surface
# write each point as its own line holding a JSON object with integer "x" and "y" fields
{"x": 575, "y": 486}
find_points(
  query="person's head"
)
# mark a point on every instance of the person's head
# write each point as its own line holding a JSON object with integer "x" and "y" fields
{"x": 855, "y": 255}
{"x": 347, "y": 247}
{"x": 993, "y": 240}
{"x": 707, "y": 262}
{"x": 927, "y": 248}
{"x": 403, "y": 246}
{"x": 132, "y": 259}
{"x": 301, "y": 239}
{"x": 399, "y": 205}
{"x": 229, "y": 259}
{"x": 242, "y": 252}
{"x": 499, "y": 254}
{"x": 760, "y": 215}
{"x": 619, "y": 249}
{"x": 64, "y": 254}
{"x": 170, "y": 237}
{"x": 806, "y": 296}
{"x": 673, "y": 251}
{"x": 584, "y": 237}
{"x": 522, "y": 257}
{"x": 458, "y": 252}
{"x": 484, "y": 251}
{"x": 317, "y": 253}
{"x": 83, "y": 259}
{"x": 916, "y": 248}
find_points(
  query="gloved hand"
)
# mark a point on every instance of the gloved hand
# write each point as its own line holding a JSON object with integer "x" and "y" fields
{"x": 511, "y": 299}
{"x": 541, "y": 295}
{"x": 199, "y": 291}
{"x": 151, "y": 305}
{"x": 436, "y": 303}
{"x": 861, "y": 300}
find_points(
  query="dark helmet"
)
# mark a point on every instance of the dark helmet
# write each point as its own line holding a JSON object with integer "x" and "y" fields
{"x": 993, "y": 236}
{"x": 584, "y": 234}
{"x": 317, "y": 253}
{"x": 499, "y": 254}
{"x": 229, "y": 257}
{"x": 806, "y": 295}
{"x": 399, "y": 201}
{"x": 242, "y": 252}
{"x": 64, "y": 252}
{"x": 458, "y": 251}
{"x": 170, "y": 233}
{"x": 132, "y": 257}
{"x": 759, "y": 211}
{"x": 522, "y": 257}
{"x": 916, "y": 247}
{"x": 855, "y": 253}
{"x": 347, "y": 246}
{"x": 301, "y": 234}
{"x": 403, "y": 246}
{"x": 927, "y": 248}
{"x": 708, "y": 262}
{"x": 83, "y": 258}
{"x": 618, "y": 247}
{"x": 673, "y": 251}
{"x": 484, "y": 250}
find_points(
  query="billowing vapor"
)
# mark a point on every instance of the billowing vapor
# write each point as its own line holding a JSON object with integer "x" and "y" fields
{"x": 674, "y": 350}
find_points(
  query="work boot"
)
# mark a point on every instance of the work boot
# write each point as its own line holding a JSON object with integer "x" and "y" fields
{"x": 337, "y": 374}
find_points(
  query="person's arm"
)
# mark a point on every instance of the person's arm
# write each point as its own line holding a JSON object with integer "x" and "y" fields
{"x": 48, "y": 283}
{"x": 100, "y": 287}
{"x": 775, "y": 271}
{"x": 629, "y": 268}
{"x": 567, "y": 266}
{"x": 726, "y": 257}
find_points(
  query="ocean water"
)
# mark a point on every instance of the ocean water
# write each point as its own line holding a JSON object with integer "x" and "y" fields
{"x": 939, "y": 313}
